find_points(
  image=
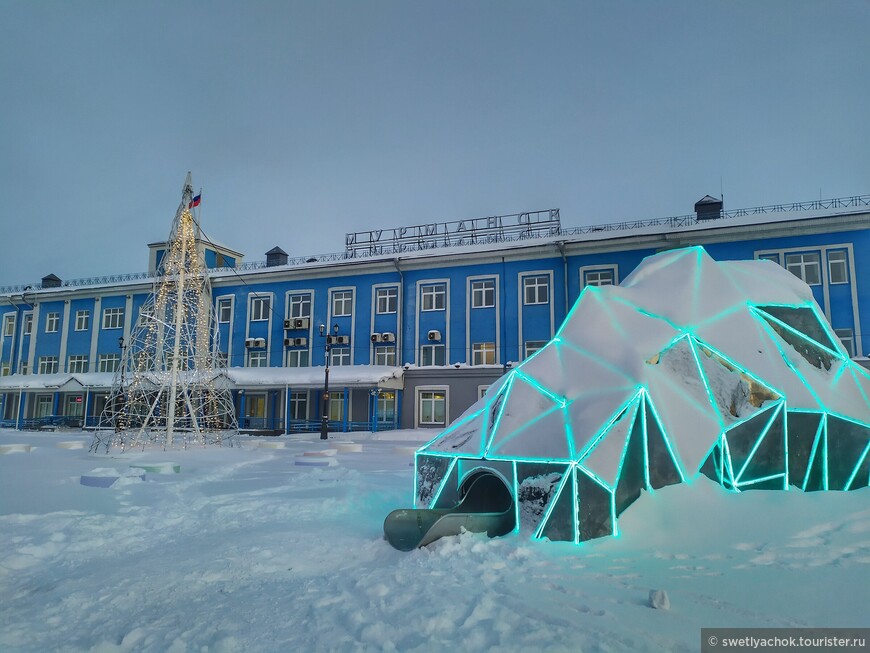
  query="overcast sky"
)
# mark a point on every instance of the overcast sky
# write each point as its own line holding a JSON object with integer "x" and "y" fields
{"x": 301, "y": 121}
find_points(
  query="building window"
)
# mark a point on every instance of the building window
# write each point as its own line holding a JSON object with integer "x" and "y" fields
{"x": 28, "y": 323}
{"x": 386, "y": 407}
{"x": 5, "y": 369}
{"x": 225, "y": 310}
{"x": 300, "y": 306}
{"x": 837, "y": 267}
{"x": 77, "y": 364}
{"x": 52, "y": 322}
{"x": 299, "y": 405}
{"x": 432, "y": 355}
{"x": 387, "y": 300}
{"x": 108, "y": 362}
{"x": 805, "y": 267}
{"x": 536, "y": 290}
{"x": 481, "y": 391}
{"x": 260, "y": 308}
{"x": 48, "y": 365}
{"x": 534, "y": 345}
{"x": 9, "y": 325}
{"x": 602, "y": 277}
{"x": 847, "y": 337}
{"x": 433, "y": 296}
{"x": 483, "y": 293}
{"x": 297, "y": 358}
{"x": 83, "y": 320}
{"x": 257, "y": 359}
{"x": 44, "y": 405}
{"x": 336, "y": 406}
{"x": 433, "y": 407}
{"x": 342, "y": 303}
{"x": 113, "y": 318}
{"x": 483, "y": 353}
{"x": 24, "y": 367}
{"x": 385, "y": 355}
{"x": 339, "y": 356}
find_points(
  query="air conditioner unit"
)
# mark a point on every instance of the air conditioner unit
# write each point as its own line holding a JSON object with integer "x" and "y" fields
{"x": 330, "y": 340}
{"x": 288, "y": 324}
{"x": 250, "y": 342}
{"x": 388, "y": 337}
{"x": 434, "y": 335}
{"x": 342, "y": 340}
{"x": 288, "y": 342}
{"x": 300, "y": 342}
{"x": 259, "y": 342}
{"x": 301, "y": 322}
{"x": 377, "y": 337}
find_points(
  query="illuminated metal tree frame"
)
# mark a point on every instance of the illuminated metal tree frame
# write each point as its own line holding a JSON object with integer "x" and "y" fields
{"x": 171, "y": 386}
{"x": 690, "y": 409}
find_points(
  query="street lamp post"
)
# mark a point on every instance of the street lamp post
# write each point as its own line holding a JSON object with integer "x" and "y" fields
{"x": 324, "y": 422}
{"x": 120, "y": 422}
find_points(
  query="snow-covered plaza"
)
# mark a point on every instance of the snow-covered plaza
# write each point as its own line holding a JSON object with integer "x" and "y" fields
{"x": 251, "y": 549}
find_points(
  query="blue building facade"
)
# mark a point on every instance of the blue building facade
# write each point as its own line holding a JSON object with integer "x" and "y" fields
{"x": 419, "y": 327}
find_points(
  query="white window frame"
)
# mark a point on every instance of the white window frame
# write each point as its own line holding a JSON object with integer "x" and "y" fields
{"x": 847, "y": 339}
{"x": 483, "y": 353}
{"x": 533, "y": 282}
{"x": 9, "y": 325}
{"x": 840, "y": 264}
{"x": 48, "y": 365}
{"x": 295, "y": 358}
{"x": 108, "y": 362}
{"x": 257, "y": 358}
{"x": 5, "y": 369}
{"x": 483, "y": 293}
{"x": 77, "y": 364}
{"x": 43, "y": 402}
{"x": 335, "y": 408}
{"x": 83, "y": 320}
{"x": 385, "y": 355}
{"x": 299, "y": 306}
{"x": 386, "y": 406}
{"x": 298, "y": 403}
{"x": 225, "y": 304}
{"x": 339, "y": 357}
{"x": 533, "y": 346}
{"x": 28, "y": 323}
{"x": 261, "y": 307}
{"x": 387, "y": 300}
{"x": 802, "y": 262}
{"x": 592, "y": 276}
{"x": 342, "y": 303}
{"x": 481, "y": 391}
{"x": 433, "y": 296}
{"x": 52, "y": 322}
{"x": 429, "y": 394}
{"x": 433, "y": 351}
{"x": 770, "y": 256}
{"x": 113, "y": 317}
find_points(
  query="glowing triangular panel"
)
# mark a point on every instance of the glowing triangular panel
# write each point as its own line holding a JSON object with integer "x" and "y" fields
{"x": 559, "y": 525}
{"x": 683, "y": 405}
{"x": 591, "y": 413}
{"x": 765, "y": 282}
{"x": 662, "y": 469}
{"x": 767, "y": 457}
{"x": 563, "y": 370}
{"x": 632, "y": 471}
{"x": 537, "y": 485}
{"x": 542, "y": 438}
{"x": 744, "y": 437}
{"x": 802, "y": 431}
{"x": 464, "y": 437}
{"x": 817, "y": 356}
{"x": 595, "y": 508}
{"x": 847, "y": 442}
{"x": 605, "y": 458}
{"x": 431, "y": 472}
{"x": 802, "y": 319}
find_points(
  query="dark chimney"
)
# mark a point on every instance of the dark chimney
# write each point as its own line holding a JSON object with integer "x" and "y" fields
{"x": 276, "y": 256}
{"x": 51, "y": 281}
{"x": 708, "y": 208}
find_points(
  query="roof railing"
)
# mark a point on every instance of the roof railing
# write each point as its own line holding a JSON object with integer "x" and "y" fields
{"x": 854, "y": 201}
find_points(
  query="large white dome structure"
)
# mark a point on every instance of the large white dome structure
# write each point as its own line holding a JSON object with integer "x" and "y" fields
{"x": 690, "y": 366}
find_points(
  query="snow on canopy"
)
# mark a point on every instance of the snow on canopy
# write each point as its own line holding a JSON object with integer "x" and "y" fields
{"x": 689, "y": 366}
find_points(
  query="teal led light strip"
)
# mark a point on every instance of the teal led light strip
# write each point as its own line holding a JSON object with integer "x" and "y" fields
{"x": 443, "y": 483}
{"x": 504, "y": 394}
{"x": 677, "y": 463}
{"x": 799, "y": 334}
{"x": 758, "y": 440}
{"x": 755, "y": 481}
{"x": 538, "y": 533}
{"x": 855, "y": 471}
{"x": 820, "y": 433}
{"x": 602, "y": 432}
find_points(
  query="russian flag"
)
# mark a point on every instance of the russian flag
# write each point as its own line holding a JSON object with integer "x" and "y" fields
{"x": 194, "y": 201}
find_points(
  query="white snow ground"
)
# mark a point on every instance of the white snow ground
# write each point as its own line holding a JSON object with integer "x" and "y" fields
{"x": 246, "y": 551}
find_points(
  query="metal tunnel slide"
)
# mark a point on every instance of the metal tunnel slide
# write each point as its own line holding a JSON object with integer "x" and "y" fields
{"x": 486, "y": 506}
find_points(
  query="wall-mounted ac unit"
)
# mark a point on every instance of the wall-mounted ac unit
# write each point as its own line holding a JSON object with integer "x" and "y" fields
{"x": 288, "y": 324}
{"x": 377, "y": 337}
{"x": 434, "y": 335}
{"x": 300, "y": 342}
{"x": 250, "y": 342}
{"x": 259, "y": 342}
{"x": 297, "y": 323}
{"x": 288, "y": 342}
{"x": 342, "y": 340}
{"x": 388, "y": 337}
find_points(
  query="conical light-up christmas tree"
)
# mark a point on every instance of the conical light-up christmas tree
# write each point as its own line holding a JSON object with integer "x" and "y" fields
{"x": 170, "y": 389}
